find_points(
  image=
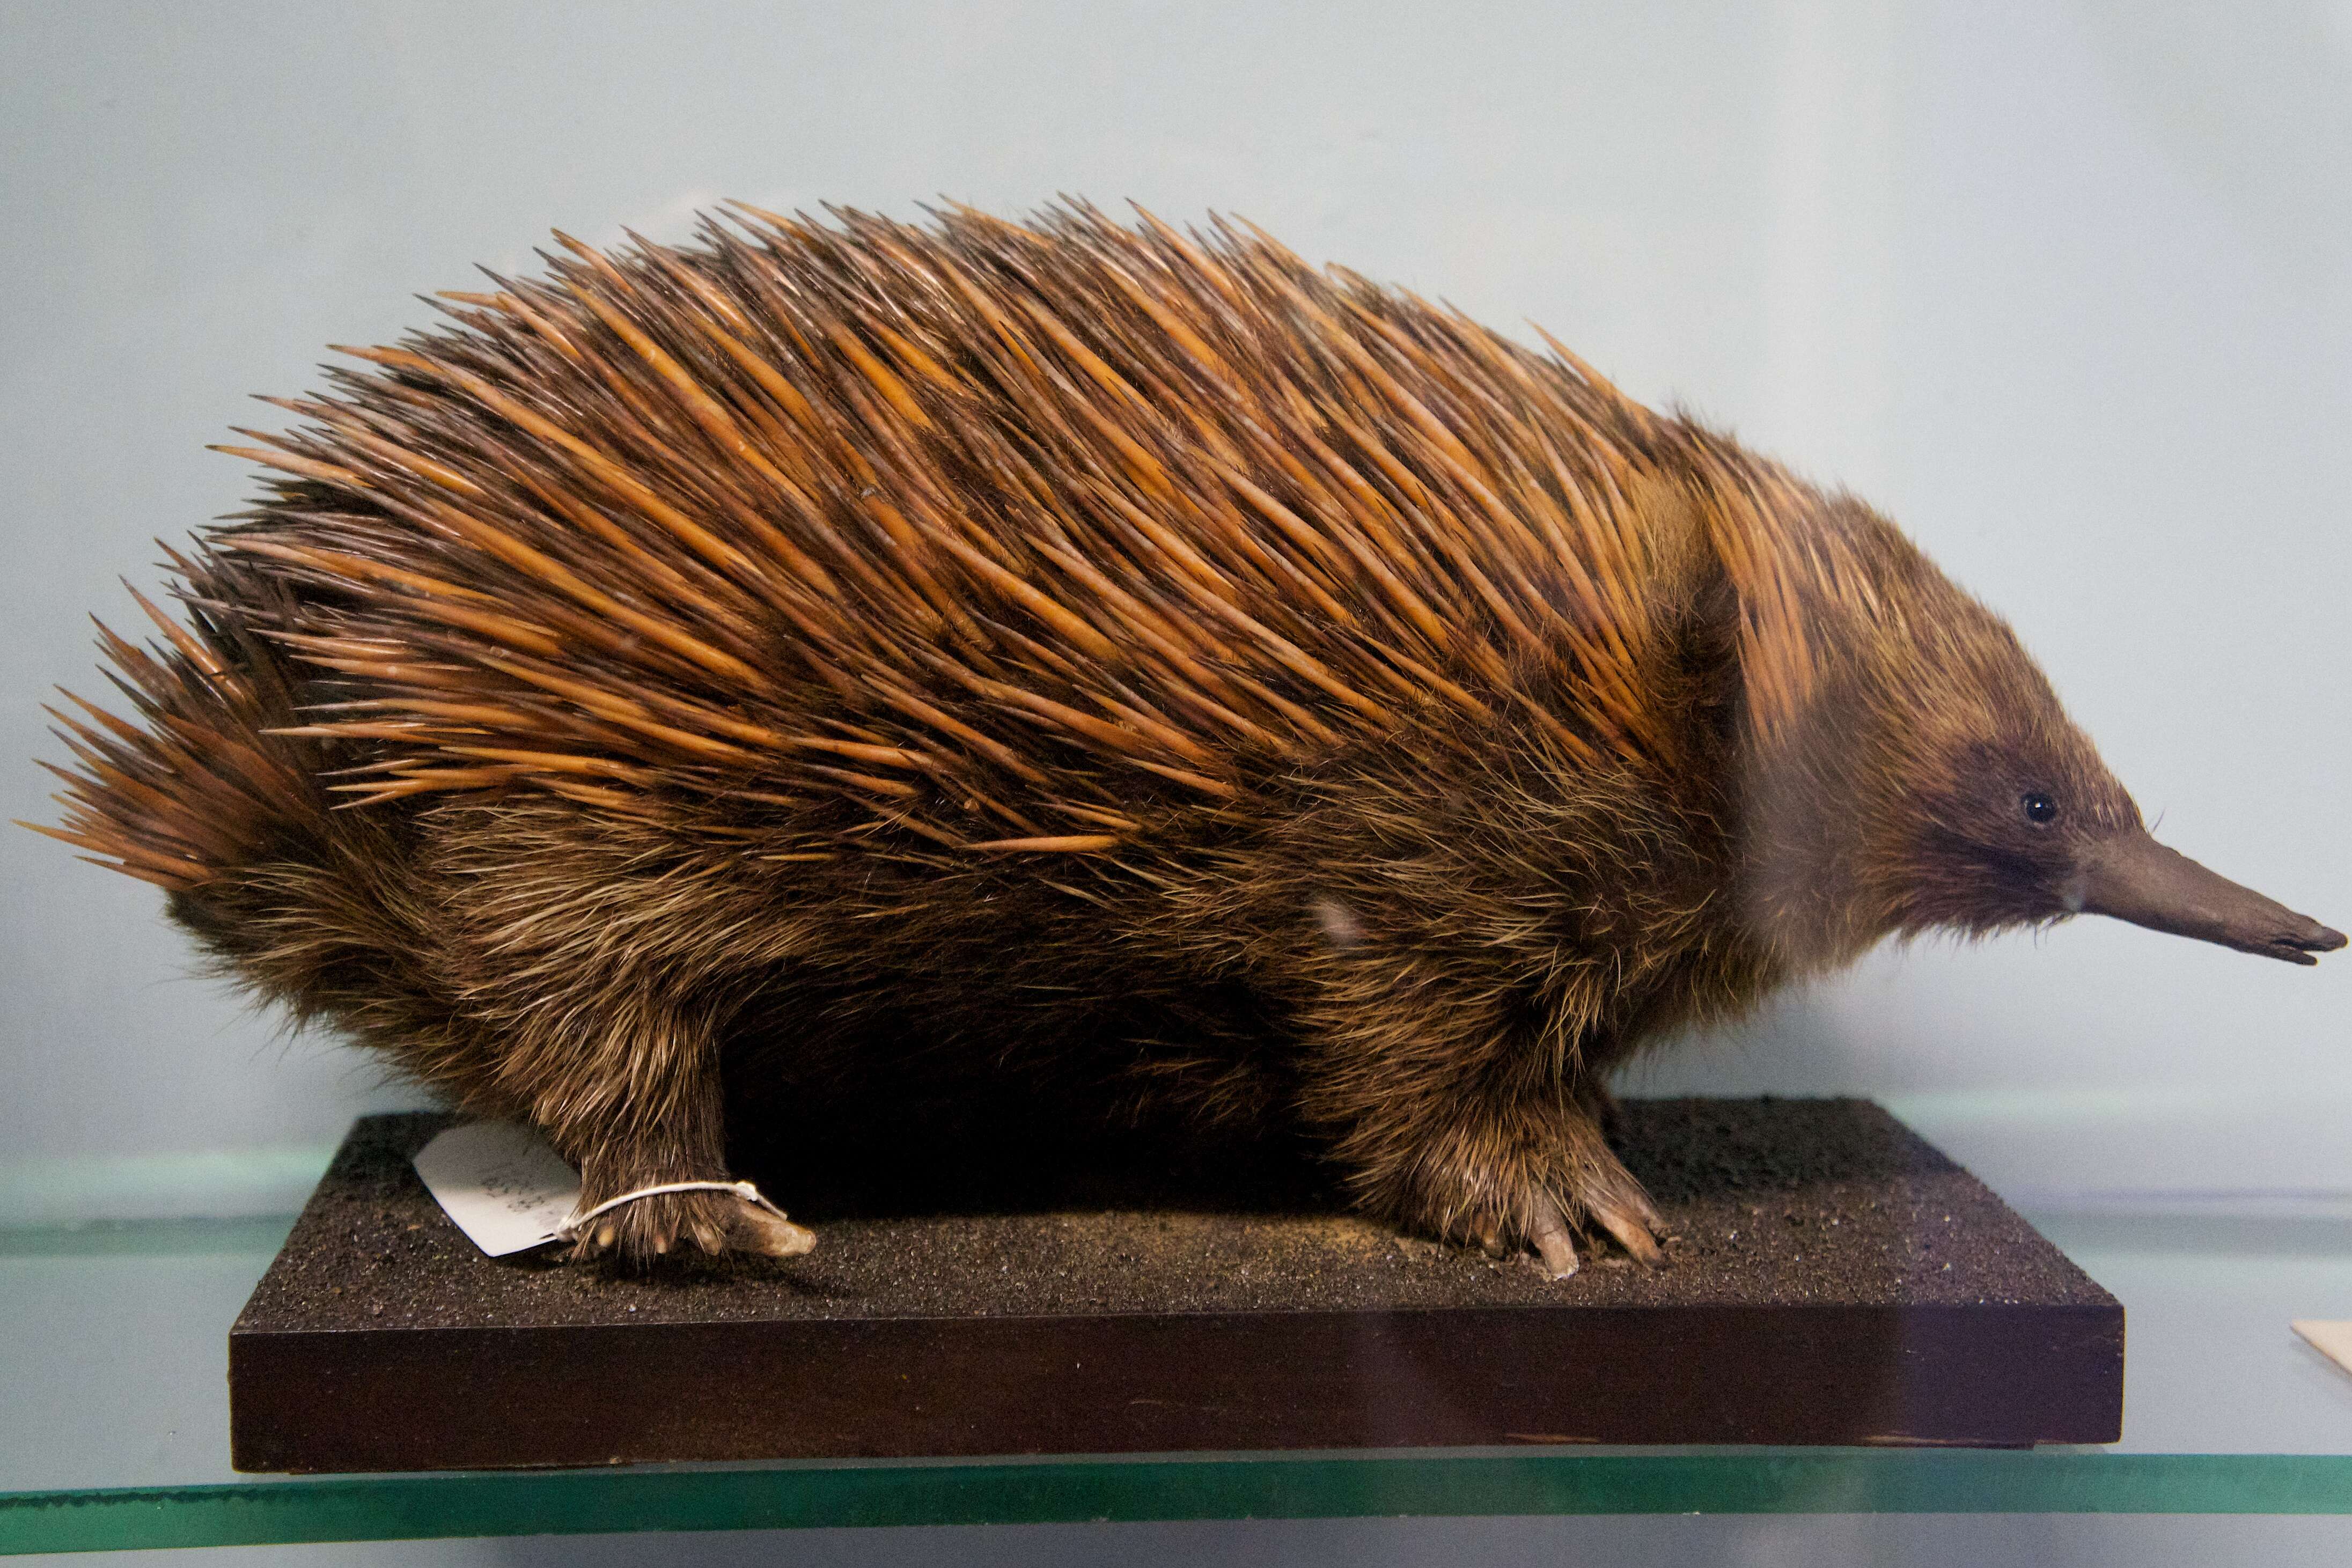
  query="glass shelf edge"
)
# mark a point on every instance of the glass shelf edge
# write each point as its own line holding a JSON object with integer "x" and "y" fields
{"x": 1842, "y": 1480}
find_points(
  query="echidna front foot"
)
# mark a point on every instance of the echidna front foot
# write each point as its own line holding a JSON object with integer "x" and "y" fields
{"x": 1522, "y": 1182}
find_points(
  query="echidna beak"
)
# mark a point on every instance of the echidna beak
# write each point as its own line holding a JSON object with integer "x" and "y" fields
{"x": 2134, "y": 878}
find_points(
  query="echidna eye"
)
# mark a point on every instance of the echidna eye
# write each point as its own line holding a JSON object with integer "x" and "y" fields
{"x": 2040, "y": 809}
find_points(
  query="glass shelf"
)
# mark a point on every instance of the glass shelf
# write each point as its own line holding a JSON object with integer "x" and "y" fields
{"x": 113, "y": 1378}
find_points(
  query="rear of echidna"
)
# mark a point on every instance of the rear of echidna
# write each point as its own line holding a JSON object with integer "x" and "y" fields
{"x": 887, "y": 664}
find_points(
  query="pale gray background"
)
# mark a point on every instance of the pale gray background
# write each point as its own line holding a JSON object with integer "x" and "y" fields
{"x": 2065, "y": 288}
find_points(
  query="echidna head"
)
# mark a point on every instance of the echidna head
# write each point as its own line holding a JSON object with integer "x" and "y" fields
{"x": 1936, "y": 784}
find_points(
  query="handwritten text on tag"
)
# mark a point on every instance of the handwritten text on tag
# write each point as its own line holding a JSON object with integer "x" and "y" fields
{"x": 503, "y": 1184}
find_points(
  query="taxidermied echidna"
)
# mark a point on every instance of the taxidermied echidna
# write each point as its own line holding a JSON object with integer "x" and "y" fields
{"x": 888, "y": 659}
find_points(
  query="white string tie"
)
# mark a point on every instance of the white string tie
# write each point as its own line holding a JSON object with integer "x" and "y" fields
{"x": 570, "y": 1228}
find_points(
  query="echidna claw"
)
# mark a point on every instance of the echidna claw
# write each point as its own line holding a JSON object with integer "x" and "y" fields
{"x": 769, "y": 1235}
{"x": 1636, "y": 1234}
{"x": 1552, "y": 1241}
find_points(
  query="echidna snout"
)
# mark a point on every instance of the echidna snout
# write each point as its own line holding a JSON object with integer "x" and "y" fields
{"x": 2134, "y": 878}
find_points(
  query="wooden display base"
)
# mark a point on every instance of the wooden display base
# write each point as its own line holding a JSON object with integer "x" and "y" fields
{"x": 1831, "y": 1279}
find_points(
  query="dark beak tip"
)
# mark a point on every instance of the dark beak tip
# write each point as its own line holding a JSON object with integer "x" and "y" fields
{"x": 2304, "y": 946}
{"x": 2134, "y": 878}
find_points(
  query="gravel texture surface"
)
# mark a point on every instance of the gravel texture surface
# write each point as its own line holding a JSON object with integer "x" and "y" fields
{"x": 1767, "y": 1202}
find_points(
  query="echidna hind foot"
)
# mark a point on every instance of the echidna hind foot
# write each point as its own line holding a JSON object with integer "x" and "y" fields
{"x": 679, "y": 1225}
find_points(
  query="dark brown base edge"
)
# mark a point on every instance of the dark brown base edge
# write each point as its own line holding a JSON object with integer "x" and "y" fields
{"x": 469, "y": 1398}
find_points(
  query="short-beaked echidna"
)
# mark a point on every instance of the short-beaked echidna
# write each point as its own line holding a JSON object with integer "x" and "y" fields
{"x": 890, "y": 661}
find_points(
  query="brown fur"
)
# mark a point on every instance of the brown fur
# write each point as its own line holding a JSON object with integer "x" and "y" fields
{"x": 886, "y": 666}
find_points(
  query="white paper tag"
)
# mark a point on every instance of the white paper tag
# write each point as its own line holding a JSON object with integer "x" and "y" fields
{"x": 2332, "y": 1340}
{"x": 503, "y": 1184}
